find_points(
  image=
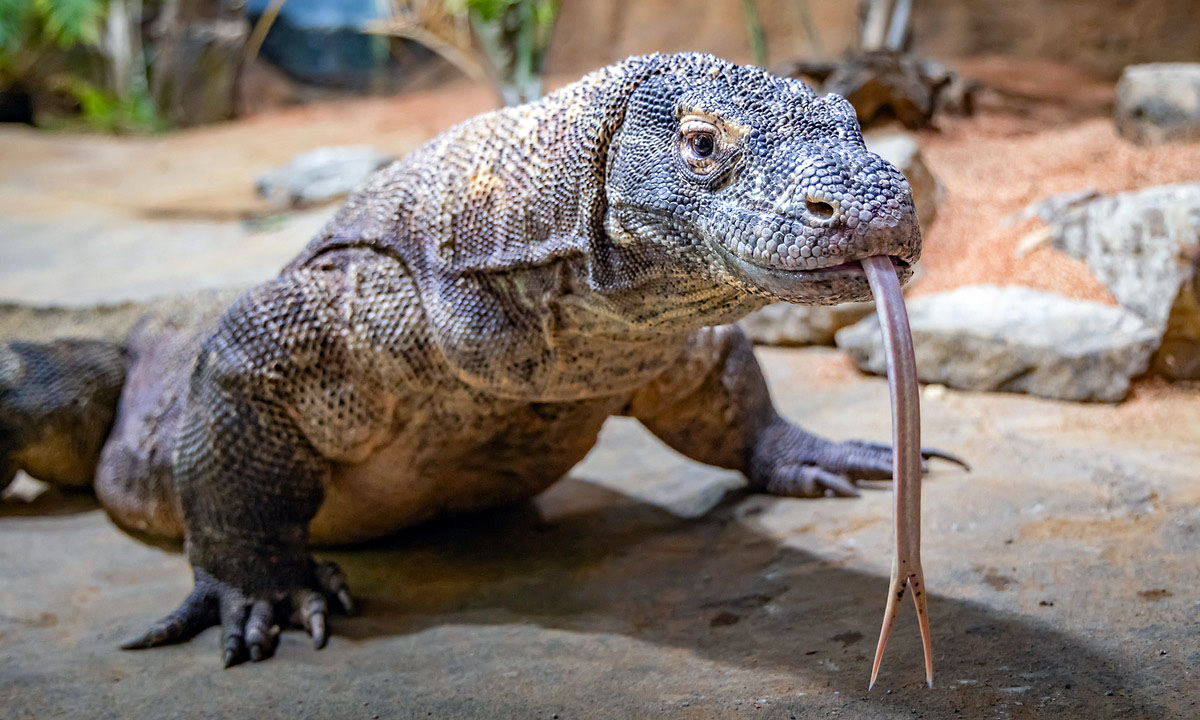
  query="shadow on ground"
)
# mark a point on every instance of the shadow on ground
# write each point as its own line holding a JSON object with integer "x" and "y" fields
{"x": 594, "y": 564}
{"x": 717, "y": 588}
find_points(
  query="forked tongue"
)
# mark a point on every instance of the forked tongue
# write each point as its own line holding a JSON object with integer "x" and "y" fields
{"x": 906, "y": 456}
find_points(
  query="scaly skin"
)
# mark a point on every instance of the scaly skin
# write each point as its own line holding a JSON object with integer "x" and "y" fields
{"x": 458, "y": 333}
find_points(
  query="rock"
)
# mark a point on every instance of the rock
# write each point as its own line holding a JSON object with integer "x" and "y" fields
{"x": 1145, "y": 247}
{"x": 680, "y": 486}
{"x": 885, "y": 86}
{"x": 1159, "y": 103}
{"x": 1052, "y": 207}
{"x": 320, "y": 175}
{"x": 794, "y": 325}
{"x": 903, "y": 151}
{"x": 1016, "y": 339}
{"x": 797, "y": 325}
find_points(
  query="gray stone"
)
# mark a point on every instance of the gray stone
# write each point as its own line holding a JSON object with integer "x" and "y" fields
{"x": 1145, "y": 247}
{"x": 1051, "y": 208}
{"x": 1016, "y": 339}
{"x": 795, "y": 325}
{"x": 83, "y": 256}
{"x": 672, "y": 483}
{"x": 321, "y": 175}
{"x": 903, "y": 151}
{"x": 1159, "y": 103}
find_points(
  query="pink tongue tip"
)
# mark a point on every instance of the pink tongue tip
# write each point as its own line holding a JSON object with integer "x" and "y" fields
{"x": 907, "y": 574}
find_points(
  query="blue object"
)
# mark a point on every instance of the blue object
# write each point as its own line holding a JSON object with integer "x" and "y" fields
{"x": 323, "y": 14}
{"x": 321, "y": 42}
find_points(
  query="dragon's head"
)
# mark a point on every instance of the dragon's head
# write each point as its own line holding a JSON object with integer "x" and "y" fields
{"x": 760, "y": 182}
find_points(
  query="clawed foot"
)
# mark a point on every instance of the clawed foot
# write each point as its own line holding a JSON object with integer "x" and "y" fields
{"x": 250, "y": 624}
{"x": 791, "y": 462}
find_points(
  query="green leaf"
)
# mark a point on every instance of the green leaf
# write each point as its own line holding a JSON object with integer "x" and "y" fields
{"x": 71, "y": 22}
{"x": 14, "y": 15}
{"x": 490, "y": 10}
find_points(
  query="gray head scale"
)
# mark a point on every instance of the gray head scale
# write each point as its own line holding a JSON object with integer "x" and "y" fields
{"x": 768, "y": 187}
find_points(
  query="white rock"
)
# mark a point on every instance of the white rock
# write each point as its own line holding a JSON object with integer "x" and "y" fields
{"x": 1158, "y": 103}
{"x": 320, "y": 175}
{"x": 1145, "y": 247}
{"x": 1015, "y": 339}
{"x": 794, "y": 325}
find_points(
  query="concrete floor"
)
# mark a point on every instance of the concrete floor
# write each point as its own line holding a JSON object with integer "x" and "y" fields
{"x": 1062, "y": 571}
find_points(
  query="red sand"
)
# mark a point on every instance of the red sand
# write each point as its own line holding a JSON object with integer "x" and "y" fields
{"x": 1045, "y": 131}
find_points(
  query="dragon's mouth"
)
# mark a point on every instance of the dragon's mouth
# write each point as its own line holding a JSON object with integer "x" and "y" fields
{"x": 854, "y": 267}
{"x": 842, "y": 282}
{"x": 851, "y": 266}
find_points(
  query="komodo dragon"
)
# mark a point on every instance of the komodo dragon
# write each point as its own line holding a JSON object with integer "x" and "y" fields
{"x": 455, "y": 337}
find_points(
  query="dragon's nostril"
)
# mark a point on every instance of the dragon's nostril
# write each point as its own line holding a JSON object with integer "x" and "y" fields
{"x": 819, "y": 209}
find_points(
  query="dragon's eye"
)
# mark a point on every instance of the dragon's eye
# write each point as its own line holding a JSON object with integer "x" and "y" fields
{"x": 701, "y": 144}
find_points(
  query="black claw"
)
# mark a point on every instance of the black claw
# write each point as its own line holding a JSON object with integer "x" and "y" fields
{"x": 194, "y": 614}
{"x": 248, "y": 626}
{"x": 929, "y": 453}
{"x": 158, "y": 634}
{"x": 863, "y": 463}
{"x": 141, "y": 642}
{"x": 317, "y": 628}
{"x": 235, "y": 651}
{"x": 840, "y": 486}
{"x": 258, "y": 630}
{"x": 810, "y": 481}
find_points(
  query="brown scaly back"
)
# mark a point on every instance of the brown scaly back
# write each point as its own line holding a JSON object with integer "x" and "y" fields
{"x": 591, "y": 213}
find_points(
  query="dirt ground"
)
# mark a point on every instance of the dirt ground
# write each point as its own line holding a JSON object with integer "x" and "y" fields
{"x": 1063, "y": 570}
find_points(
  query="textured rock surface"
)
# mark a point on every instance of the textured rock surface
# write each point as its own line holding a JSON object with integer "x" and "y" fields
{"x": 1145, "y": 247}
{"x": 1159, "y": 102}
{"x": 321, "y": 175}
{"x": 793, "y": 325}
{"x": 983, "y": 337}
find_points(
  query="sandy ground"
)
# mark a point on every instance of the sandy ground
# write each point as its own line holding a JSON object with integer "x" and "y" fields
{"x": 1062, "y": 570}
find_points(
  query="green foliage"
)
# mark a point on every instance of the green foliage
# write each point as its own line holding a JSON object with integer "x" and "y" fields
{"x": 53, "y": 47}
{"x": 105, "y": 111}
{"x": 485, "y": 10}
{"x": 540, "y": 14}
{"x": 65, "y": 23}
{"x": 71, "y": 22}
{"x": 754, "y": 28}
{"x": 15, "y": 16}
{"x": 514, "y": 36}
